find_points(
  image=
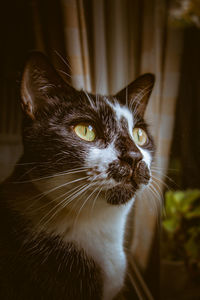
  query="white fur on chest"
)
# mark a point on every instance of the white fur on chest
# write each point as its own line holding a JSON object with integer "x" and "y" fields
{"x": 102, "y": 239}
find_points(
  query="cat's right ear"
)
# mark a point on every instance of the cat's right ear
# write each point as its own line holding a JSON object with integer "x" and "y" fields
{"x": 41, "y": 85}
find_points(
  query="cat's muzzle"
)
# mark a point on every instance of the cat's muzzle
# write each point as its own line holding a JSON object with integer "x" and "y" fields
{"x": 122, "y": 172}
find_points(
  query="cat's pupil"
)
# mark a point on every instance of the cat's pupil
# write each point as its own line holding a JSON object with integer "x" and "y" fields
{"x": 139, "y": 134}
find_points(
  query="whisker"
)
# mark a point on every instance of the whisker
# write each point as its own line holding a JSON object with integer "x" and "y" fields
{"x": 75, "y": 195}
{"x": 89, "y": 99}
{"x": 55, "y": 199}
{"x": 43, "y": 194}
{"x": 164, "y": 175}
{"x": 160, "y": 181}
{"x": 95, "y": 199}
{"x": 61, "y": 207}
{"x": 61, "y": 71}
{"x": 52, "y": 176}
{"x": 156, "y": 204}
{"x": 76, "y": 220}
{"x": 63, "y": 60}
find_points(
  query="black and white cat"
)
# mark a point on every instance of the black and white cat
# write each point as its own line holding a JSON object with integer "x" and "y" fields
{"x": 63, "y": 210}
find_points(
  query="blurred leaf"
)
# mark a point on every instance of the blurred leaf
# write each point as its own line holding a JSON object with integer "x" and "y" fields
{"x": 192, "y": 248}
{"x": 170, "y": 225}
{"x": 181, "y": 226}
{"x": 193, "y": 214}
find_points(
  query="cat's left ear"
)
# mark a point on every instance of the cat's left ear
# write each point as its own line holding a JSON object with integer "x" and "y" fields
{"x": 41, "y": 85}
{"x": 137, "y": 93}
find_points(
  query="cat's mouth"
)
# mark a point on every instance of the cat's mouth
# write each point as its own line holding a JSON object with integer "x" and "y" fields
{"x": 125, "y": 174}
{"x": 122, "y": 182}
{"x": 129, "y": 181}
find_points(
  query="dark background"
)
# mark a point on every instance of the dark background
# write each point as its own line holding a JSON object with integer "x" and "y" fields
{"x": 18, "y": 38}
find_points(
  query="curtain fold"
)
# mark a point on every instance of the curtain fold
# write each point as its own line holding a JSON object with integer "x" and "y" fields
{"x": 123, "y": 40}
{"x": 102, "y": 46}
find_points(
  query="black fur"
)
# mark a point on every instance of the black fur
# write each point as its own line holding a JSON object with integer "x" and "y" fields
{"x": 42, "y": 266}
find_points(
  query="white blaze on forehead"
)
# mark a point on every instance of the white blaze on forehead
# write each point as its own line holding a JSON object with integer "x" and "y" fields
{"x": 123, "y": 112}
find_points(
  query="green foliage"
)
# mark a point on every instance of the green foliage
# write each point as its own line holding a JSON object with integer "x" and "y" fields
{"x": 181, "y": 227}
{"x": 185, "y": 13}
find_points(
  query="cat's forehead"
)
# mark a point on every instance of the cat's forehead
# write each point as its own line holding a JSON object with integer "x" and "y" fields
{"x": 111, "y": 111}
{"x": 123, "y": 115}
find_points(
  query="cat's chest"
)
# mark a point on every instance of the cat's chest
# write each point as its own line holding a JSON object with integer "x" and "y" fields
{"x": 102, "y": 240}
{"x": 107, "y": 253}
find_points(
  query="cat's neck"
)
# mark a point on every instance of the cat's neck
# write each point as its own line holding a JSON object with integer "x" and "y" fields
{"x": 102, "y": 238}
{"x": 97, "y": 229}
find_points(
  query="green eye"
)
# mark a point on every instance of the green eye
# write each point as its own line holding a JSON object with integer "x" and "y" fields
{"x": 85, "y": 132}
{"x": 139, "y": 136}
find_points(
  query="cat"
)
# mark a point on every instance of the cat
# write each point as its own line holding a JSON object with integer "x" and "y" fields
{"x": 63, "y": 211}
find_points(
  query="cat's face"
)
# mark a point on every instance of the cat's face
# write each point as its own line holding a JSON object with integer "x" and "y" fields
{"x": 104, "y": 139}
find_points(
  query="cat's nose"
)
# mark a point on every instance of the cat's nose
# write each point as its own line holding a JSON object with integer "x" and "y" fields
{"x": 131, "y": 159}
{"x": 120, "y": 171}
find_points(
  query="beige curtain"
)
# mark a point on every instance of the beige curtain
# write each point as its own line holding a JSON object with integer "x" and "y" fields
{"x": 101, "y": 46}
{"x": 108, "y": 44}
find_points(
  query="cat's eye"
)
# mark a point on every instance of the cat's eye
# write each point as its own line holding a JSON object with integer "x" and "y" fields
{"x": 85, "y": 132}
{"x": 139, "y": 136}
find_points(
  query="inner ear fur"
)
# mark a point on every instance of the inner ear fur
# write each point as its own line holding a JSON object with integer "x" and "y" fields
{"x": 137, "y": 93}
{"x": 40, "y": 84}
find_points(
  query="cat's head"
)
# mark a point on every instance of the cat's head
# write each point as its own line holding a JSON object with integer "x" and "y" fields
{"x": 102, "y": 140}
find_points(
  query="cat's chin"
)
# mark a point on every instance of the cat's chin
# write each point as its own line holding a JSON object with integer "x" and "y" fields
{"x": 120, "y": 194}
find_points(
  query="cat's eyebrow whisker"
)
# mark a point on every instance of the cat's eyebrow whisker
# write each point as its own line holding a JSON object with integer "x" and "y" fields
{"x": 61, "y": 71}
{"x": 89, "y": 99}
{"x": 127, "y": 96}
{"x": 138, "y": 98}
{"x": 63, "y": 60}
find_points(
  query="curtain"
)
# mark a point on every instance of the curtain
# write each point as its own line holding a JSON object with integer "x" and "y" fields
{"x": 103, "y": 45}
{"x": 109, "y": 43}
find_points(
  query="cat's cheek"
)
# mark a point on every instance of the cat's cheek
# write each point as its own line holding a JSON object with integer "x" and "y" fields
{"x": 147, "y": 158}
{"x": 99, "y": 159}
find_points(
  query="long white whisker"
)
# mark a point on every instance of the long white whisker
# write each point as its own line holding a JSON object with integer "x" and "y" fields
{"x": 61, "y": 207}
{"x": 63, "y": 60}
{"x": 75, "y": 195}
{"x": 68, "y": 75}
{"x": 82, "y": 207}
{"x": 95, "y": 199}
{"x": 43, "y": 194}
{"x": 55, "y": 199}
{"x": 72, "y": 171}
